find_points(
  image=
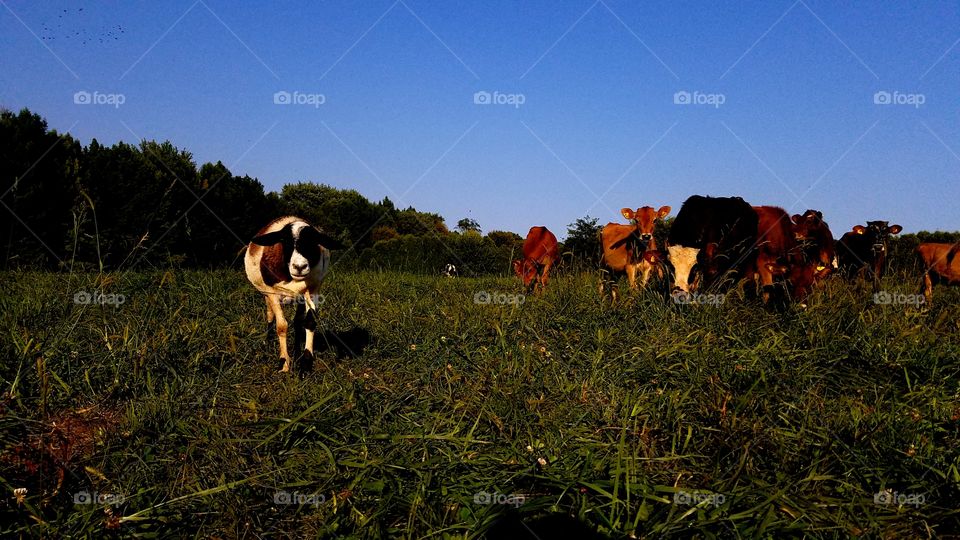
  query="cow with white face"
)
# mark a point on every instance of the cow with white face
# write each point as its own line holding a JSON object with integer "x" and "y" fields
{"x": 716, "y": 235}
{"x": 288, "y": 259}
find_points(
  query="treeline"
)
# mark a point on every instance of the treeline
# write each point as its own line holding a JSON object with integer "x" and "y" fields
{"x": 69, "y": 206}
{"x": 73, "y": 207}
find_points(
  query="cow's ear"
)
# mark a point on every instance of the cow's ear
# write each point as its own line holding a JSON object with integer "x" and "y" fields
{"x": 269, "y": 239}
{"x": 796, "y": 218}
{"x": 859, "y": 229}
{"x": 894, "y": 229}
{"x": 627, "y": 213}
{"x": 663, "y": 212}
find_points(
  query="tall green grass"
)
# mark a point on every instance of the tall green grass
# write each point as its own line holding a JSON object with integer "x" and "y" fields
{"x": 783, "y": 424}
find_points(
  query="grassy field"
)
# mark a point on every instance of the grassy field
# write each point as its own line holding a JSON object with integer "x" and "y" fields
{"x": 432, "y": 415}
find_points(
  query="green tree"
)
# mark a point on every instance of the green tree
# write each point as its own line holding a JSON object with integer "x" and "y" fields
{"x": 583, "y": 242}
{"x": 468, "y": 224}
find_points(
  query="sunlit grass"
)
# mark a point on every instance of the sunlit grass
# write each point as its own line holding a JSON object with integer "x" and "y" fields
{"x": 782, "y": 423}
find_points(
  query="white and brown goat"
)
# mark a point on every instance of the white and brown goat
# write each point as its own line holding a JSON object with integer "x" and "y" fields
{"x": 288, "y": 259}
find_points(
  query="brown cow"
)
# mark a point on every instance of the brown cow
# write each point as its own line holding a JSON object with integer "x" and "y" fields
{"x": 776, "y": 248}
{"x": 540, "y": 252}
{"x": 942, "y": 265}
{"x": 624, "y": 246}
{"x": 815, "y": 239}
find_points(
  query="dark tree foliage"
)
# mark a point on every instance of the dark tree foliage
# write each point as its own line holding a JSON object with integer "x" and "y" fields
{"x": 38, "y": 190}
{"x": 468, "y": 224}
{"x": 583, "y": 242}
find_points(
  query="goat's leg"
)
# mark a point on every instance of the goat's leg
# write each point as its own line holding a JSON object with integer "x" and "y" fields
{"x": 298, "y": 330}
{"x": 310, "y": 329}
{"x": 274, "y": 302}
{"x": 271, "y": 324}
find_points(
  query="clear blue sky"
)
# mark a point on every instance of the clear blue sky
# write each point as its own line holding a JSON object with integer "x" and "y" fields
{"x": 598, "y": 128}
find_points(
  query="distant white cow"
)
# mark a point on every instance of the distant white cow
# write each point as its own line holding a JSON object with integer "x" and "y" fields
{"x": 450, "y": 270}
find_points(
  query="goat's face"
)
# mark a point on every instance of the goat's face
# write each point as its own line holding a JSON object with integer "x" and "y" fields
{"x": 302, "y": 247}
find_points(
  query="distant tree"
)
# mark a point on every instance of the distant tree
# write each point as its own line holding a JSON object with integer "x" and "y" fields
{"x": 504, "y": 238}
{"x": 467, "y": 224}
{"x": 384, "y": 232}
{"x": 583, "y": 241}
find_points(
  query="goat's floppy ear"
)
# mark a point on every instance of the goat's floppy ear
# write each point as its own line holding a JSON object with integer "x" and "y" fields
{"x": 269, "y": 239}
{"x": 328, "y": 241}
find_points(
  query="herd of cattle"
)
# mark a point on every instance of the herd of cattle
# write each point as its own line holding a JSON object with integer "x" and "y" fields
{"x": 717, "y": 241}
{"x": 713, "y": 242}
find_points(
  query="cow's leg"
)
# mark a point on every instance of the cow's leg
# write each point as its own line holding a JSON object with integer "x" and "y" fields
{"x": 274, "y": 302}
{"x": 545, "y": 276}
{"x": 927, "y": 287}
{"x": 766, "y": 282}
{"x": 632, "y": 276}
{"x": 645, "y": 269}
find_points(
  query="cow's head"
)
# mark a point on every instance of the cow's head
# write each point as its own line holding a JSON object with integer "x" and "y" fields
{"x": 877, "y": 232}
{"x": 799, "y": 275}
{"x": 815, "y": 240}
{"x": 302, "y": 246}
{"x": 645, "y": 219}
{"x": 682, "y": 259}
{"x": 526, "y": 270}
{"x": 808, "y": 227}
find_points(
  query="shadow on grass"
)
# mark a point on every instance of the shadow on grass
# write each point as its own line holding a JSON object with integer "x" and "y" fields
{"x": 553, "y": 526}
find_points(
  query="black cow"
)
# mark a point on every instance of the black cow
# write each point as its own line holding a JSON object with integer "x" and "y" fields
{"x": 862, "y": 252}
{"x": 717, "y": 234}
